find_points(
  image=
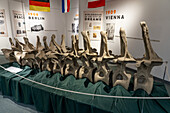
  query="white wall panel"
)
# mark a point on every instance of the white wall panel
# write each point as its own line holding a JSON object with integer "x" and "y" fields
{"x": 4, "y": 41}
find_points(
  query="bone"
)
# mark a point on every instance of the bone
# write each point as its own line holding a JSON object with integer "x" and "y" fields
{"x": 87, "y": 69}
{"x": 52, "y": 47}
{"x": 31, "y": 46}
{"x": 77, "y": 42}
{"x": 102, "y": 73}
{"x": 13, "y": 46}
{"x": 22, "y": 50}
{"x": 58, "y": 62}
{"x": 86, "y": 72}
{"x": 11, "y": 42}
{"x": 45, "y": 43}
{"x": 62, "y": 63}
{"x": 39, "y": 46}
{"x": 125, "y": 55}
{"x": 58, "y": 48}
{"x": 29, "y": 59}
{"x": 71, "y": 67}
{"x": 19, "y": 57}
{"x": 120, "y": 77}
{"x": 86, "y": 38}
{"x": 18, "y": 44}
{"x": 40, "y": 58}
{"x": 9, "y": 54}
{"x": 63, "y": 46}
{"x": 143, "y": 79}
{"x": 74, "y": 49}
{"x": 104, "y": 52}
{"x": 56, "y": 66}
{"x": 150, "y": 54}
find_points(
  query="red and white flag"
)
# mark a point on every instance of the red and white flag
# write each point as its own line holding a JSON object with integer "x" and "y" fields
{"x": 96, "y": 3}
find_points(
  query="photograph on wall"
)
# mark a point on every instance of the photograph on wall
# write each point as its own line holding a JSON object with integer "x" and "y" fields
{"x": 37, "y": 28}
{"x": 3, "y": 28}
{"x": 77, "y": 28}
{"x": 110, "y": 28}
{"x": 19, "y": 24}
{"x": 93, "y": 23}
{"x": 75, "y": 24}
{"x": 73, "y": 28}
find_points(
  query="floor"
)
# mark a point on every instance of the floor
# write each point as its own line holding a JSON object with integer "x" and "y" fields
{"x": 7, "y": 105}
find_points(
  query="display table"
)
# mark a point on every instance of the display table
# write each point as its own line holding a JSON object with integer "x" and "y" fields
{"x": 50, "y": 100}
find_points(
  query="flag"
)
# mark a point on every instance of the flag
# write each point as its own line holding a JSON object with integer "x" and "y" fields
{"x": 96, "y": 3}
{"x": 65, "y": 6}
{"x": 40, "y": 5}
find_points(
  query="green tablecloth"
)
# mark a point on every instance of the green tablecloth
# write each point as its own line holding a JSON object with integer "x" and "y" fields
{"x": 50, "y": 100}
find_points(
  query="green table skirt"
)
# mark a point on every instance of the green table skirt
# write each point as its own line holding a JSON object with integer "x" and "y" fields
{"x": 50, "y": 100}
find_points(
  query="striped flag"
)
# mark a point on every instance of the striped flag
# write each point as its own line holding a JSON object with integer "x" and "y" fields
{"x": 96, "y": 3}
{"x": 65, "y": 6}
{"x": 40, "y": 5}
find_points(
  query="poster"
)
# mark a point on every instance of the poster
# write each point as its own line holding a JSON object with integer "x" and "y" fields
{"x": 110, "y": 28}
{"x": 75, "y": 24}
{"x": 19, "y": 24}
{"x": 93, "y": 22}
{"x": 3, "y": 28}
{"x": 36, "y": 21}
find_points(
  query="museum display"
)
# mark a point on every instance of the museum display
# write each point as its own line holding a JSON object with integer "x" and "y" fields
{"x": 86, "y": 62}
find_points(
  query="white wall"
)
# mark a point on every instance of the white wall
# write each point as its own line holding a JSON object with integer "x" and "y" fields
{"x": 83, "y": 7}
{"x": 4, "y": 41}
{"x": 74, "y": 12}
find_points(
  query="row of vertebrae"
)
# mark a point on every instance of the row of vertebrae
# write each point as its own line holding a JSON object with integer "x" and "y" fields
{"x": 87, "y": 63}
